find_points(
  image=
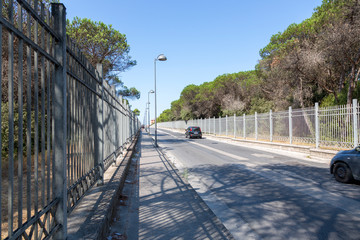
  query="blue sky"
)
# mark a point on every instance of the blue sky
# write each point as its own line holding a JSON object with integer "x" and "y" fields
{"x": 201, "y": 39}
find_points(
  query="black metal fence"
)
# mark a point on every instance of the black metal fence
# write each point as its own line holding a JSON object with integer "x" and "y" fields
{"x": 62, "y": 126}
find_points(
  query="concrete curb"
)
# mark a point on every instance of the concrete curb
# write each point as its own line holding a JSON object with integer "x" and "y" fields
{"x": 91, "y": 218}
{"x": 312, "y": 152}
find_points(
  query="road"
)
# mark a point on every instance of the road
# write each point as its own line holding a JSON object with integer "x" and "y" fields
{"x": 263, "y": 193}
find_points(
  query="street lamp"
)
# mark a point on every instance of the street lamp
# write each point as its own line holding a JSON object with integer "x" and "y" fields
{"x": 145, "y": 117}
{"x": 161, "y": 57}
{"x": 148, "y": 105}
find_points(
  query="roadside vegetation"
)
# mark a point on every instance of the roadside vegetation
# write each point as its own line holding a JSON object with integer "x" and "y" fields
{"x": 317, "y": 60}
{"x": 101, "y": 43}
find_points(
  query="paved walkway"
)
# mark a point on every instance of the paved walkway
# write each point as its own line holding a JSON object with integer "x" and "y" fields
{"x": 168, "y": 208}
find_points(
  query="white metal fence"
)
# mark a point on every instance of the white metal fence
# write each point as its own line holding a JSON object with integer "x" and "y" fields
{"x": 329, "y": 127}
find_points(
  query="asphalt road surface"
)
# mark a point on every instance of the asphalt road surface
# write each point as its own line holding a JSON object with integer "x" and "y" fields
{"x": 262, "y": 193}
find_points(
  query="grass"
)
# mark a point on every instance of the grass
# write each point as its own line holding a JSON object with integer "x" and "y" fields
{"x": 185, "y": 174}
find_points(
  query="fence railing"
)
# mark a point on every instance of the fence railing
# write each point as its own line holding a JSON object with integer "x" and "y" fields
{"x": 62, "y": 125}
{"x": 330, "y": 127}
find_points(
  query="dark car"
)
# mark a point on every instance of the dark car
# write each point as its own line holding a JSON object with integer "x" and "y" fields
{"x": 193, "y": 132}
{"x": 345, "y": 165}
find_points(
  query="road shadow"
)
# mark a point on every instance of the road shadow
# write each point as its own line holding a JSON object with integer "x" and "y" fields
{"x": 276, "y": 211}
{"x": 319, "y": 176}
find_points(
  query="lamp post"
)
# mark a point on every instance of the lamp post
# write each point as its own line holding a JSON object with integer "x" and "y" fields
{"x": 148, "y": 105}
{"x": 145, "y": 117}
{"x": 161, "y": 57}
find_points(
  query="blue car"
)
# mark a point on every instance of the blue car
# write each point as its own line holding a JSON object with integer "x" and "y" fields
{"x": 345, "y": 165}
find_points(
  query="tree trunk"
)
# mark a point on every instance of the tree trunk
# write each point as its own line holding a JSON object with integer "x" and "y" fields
{"x": 306, "y": 116}
{"x": 351, "y": 85}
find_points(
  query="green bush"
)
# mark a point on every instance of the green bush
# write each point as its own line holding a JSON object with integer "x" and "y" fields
{"x": 5, "y": 131}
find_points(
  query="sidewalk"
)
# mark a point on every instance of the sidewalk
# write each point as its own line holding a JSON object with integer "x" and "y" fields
{"x": 168, "y": 208}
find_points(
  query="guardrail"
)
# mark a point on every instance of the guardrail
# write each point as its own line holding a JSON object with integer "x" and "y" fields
{"x": 62, "y": 125}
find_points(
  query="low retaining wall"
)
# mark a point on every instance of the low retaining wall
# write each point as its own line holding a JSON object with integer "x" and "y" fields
{"x": 91, "y": 218}
{"x": 312, "y": 152}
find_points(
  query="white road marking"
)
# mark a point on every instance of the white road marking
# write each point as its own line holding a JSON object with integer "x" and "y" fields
{"x": 259, "y": 155}
{"x": 293, "y": 181}
{"x": 221, "y": 152}
{"x": 214, "y": 150}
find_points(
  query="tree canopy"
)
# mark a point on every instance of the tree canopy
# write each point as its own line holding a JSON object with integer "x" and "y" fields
{"x": 101, "y": 43}
{"x": 317, "y": 60}
{"x": 226, "y": 95}
{"x": 136, "y": 112}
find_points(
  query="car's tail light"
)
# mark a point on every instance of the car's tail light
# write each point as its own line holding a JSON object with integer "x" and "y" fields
{"x": 190, "y": 129}
{"x": 199, "y": 129}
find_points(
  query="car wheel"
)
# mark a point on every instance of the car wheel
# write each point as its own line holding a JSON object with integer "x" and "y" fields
{"x": 342, "y": 173}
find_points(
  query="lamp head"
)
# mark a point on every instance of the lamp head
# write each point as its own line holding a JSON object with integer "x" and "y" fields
{"x": 151, "y": 91}
{"x": 161, "y": 57}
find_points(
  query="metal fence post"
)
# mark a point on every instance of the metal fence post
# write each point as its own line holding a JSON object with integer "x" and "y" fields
{"x": 234, "y": 125}
{"x": 209, "y": 126}
{"x": 226, "y": 125}
{"x": 10, "y": 169}
{"x": 60, "y": 188}
{"x": 99, "y": 138}
{"x": 355, "y": 122}
{"x": 290, "y": 125}
{"x": 244, "y": 126}
{"x": 122, "y": 117}
{"x": 317, "y": 137}
{"x": 271, "y": 126}
{"x": 219, "y": 125}
{"x": 256, "y": 127}
{"x": 203, "y": 124}
{"x": 134, "y": 124}
{"x": 214, "y": 126}
{"x": 113, "y": 110}
{"x": 204, "y": 121}
{"x": 131, "y": 124}
{"x": 127, "y": 123}
{"x": 124, "y": 123}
